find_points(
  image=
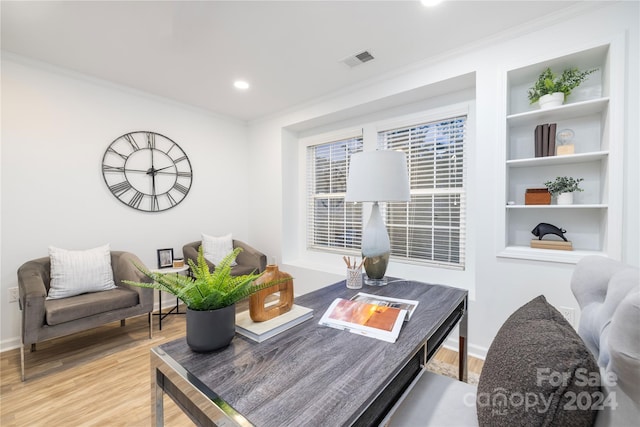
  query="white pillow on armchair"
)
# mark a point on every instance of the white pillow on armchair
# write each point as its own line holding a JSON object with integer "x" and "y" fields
{"x": 78, "y": 272}
{"x": 216, "y": 248}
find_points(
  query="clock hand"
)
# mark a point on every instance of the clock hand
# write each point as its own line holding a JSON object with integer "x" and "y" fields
{"x": 153, "y": 173}
{"x": 150, "y": 171}
{"x": 166, "y": 167}
{"x": 153, "y": 183}
{"x": 137, "y": 170}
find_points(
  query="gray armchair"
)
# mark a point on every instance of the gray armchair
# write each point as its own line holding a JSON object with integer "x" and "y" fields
{"x": 250, "y": 259}
{"x": 608, "y": 292}
{"x": 44, "y": 319}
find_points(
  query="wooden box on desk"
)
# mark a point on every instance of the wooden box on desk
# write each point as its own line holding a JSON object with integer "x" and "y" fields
{"x": 537, "y": 196}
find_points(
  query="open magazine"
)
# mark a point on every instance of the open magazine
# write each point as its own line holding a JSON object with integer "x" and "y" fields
{"x": 364, "y": 318}
{"x": 404, "y": 304}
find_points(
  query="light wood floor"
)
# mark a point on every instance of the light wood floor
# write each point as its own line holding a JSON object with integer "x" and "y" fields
{"x": 98, "y": 378}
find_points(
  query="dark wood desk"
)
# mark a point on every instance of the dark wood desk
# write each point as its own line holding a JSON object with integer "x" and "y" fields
{"x": 311, "y": 374}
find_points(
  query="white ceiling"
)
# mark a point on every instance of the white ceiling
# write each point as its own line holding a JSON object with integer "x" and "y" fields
{"x": 290, "y": 51}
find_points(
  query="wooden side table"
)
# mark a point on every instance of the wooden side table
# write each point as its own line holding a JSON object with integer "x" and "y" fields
{"x": 176, "y": 309}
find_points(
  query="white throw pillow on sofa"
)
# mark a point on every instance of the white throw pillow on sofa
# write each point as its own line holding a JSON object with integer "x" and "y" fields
{"x": 216, "y": 248}
{"x": 79, "y": 272}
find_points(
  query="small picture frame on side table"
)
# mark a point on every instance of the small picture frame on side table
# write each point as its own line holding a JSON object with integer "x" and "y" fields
{"x": 165, "y": 258}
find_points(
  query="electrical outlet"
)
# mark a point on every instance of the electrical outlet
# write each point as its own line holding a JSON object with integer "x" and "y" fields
{"x": 13, "y": 294}
{"x": 569, "y": 314}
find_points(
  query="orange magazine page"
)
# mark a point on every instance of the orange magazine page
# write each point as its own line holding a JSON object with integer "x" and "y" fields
{"x": 383, "y": 323}
{"x": 366, "y": 314}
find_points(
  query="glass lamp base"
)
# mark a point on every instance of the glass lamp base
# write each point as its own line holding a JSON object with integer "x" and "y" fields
{"x": 375, "y": 282}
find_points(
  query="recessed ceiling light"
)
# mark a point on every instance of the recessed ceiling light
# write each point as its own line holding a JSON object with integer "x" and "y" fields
{"x": 241, "y": 84}
{"x": 430, "y": 3}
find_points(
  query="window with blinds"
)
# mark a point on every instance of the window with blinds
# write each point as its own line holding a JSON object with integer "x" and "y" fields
{"x": 331, "y": 222}
{"x": 431, "y": 227}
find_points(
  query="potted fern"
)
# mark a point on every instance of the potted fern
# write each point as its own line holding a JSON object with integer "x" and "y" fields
{"x": 210, "y": 298}
{"x": 550, "y": 90}
{"x": 563, "y": 188}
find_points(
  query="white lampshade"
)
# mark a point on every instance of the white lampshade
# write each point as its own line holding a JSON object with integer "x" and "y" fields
{"x": 378, "y": 176}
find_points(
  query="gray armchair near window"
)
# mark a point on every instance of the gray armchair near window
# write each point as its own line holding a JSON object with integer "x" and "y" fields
{"x": 44, "y": 319}
{"x": 250, "y": 260}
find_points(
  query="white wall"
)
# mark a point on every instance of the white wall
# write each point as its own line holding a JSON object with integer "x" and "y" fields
{"x": 56, "y": 126}
{"x": 501, "y": 285}
{"x": 55, "y": 129}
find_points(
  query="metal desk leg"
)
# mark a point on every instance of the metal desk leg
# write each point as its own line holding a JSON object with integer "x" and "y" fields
{"x": 197, "y": 401}
{"x": 158, "y": 407}
{"x": 462, "y": 350}
{"x": 157, "y": 394}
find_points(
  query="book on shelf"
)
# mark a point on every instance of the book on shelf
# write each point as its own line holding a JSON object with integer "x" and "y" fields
{"x": 260, "y": 331}
{"x": 538, "y": 140}
{"x": 545, "y": 140}
{"x": 363, "y": 318}
{"x": 552, "y": 244}
{"x": 552, "y": 139}
{"x": 404, "y": 304}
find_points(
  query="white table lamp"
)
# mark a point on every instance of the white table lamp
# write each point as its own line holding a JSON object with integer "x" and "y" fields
{"x": 377, "y": 176}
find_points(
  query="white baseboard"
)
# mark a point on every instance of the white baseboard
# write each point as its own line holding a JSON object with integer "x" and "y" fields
{"x": 10, "y": 344}
{"x": 472, "y": 350}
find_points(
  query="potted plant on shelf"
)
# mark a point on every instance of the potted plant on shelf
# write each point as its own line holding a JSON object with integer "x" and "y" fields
{"x": 563, "y": 188}
{"x": 550, "y": 90}
{"x": 210, "y": 298}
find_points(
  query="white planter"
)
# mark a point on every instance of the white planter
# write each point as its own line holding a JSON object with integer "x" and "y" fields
{"x": 565, "y": 198}
{"x": 552, "y": 100}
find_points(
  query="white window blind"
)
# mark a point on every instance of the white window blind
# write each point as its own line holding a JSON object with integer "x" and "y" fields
{"x": 431, "y": 227}
{"x": 331, "y": 222}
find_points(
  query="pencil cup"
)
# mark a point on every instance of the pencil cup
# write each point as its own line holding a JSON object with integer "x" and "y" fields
{"x": 354, "y": 278}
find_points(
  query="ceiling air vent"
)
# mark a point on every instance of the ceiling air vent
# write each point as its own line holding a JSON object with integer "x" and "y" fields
{"x": 358, "y": 58}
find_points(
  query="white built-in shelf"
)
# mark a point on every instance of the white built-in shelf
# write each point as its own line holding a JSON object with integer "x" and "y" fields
{"x": 558, "y": 160}
{"x": 594, "y": 113}
{"x": 562, "y": 112}
{"x": 551, "y": 255}
{"x": 574, "y": 206}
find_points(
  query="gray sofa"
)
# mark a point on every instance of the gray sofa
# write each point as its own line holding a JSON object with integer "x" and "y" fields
{"x": 561, "y": 379}
{"x": 44, "y": 319}
{"x": 250, "y": 260}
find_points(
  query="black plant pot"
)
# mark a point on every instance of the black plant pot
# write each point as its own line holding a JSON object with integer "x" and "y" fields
{"x": 211, "y": 329}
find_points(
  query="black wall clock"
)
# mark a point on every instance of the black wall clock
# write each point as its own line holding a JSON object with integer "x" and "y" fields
{"x": 147, "y": 171}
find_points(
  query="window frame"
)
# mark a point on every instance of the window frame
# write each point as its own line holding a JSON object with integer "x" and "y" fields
{"x": 306, "y": 205}
{"x": 369, "y": 130}
{"x": 434, "y": 192}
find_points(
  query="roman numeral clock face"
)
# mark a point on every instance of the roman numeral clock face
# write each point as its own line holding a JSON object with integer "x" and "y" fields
{"x": 147, "y": 171}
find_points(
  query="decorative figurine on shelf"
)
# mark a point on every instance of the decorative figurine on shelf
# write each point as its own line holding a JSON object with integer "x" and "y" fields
{"x": 543, "y": 229}
{"x": 565, "y": 146}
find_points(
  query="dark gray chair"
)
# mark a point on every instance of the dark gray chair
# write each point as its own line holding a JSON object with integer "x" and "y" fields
{"x": 608, "y": 293}
{"x": 249, "y": 261}
{"x": 44, "y": 319}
